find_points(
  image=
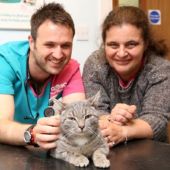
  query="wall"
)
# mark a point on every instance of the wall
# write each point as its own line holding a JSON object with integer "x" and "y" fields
{"x": 129, "y": 2}
{"x": 87, "y": 15}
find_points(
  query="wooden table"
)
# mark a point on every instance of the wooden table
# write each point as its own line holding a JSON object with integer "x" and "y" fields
{"x": 136, "y": 155}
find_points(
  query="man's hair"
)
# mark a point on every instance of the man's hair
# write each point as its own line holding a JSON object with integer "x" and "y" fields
{"x": 53, "y": 12}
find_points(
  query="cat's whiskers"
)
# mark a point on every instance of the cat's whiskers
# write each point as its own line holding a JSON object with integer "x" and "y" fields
{"x": 70, "y": 132}
{"x": 96, "y": 134}
{"x": 79, "y": 138}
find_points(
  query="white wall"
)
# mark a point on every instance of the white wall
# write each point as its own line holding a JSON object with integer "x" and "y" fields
{"x": 87, "y": 15}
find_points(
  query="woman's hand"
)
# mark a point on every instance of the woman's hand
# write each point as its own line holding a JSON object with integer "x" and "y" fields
{"x": 113, "y": 133}
{"x": 47, "y": 131}
{"x": 123, "y": 113}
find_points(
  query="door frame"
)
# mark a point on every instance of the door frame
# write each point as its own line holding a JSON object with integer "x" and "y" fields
{"x": 115, "y": 3}
{"x": 142, "y": 4}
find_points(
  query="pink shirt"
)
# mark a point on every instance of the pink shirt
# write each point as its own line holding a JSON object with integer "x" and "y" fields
{"x": 68, "y": 81}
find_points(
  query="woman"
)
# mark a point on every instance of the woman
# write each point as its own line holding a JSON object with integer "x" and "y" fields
{"x": 132, "y": 77}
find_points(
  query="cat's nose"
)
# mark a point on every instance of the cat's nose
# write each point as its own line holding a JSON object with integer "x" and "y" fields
{"x": 81, "y": 125}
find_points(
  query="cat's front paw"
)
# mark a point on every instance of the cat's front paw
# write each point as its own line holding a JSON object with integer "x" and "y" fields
{"x": 80, "y": 161}
{"x": 102, "y": 163}
{"x": 100, "y": 160}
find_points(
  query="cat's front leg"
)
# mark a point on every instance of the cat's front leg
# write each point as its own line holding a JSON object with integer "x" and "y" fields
{"x": 78, "y": 160}
{"x": 100, "y": 159}
{"x": 71, "y": 157}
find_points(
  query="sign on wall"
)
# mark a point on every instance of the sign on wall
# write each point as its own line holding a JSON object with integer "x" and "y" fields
{"x": 16, "y": 14}
{"x": 154, "y": 17}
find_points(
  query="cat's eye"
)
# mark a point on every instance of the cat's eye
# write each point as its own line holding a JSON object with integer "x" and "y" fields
{"x": 71, "y": 118}
{"x": 88, "y": 116}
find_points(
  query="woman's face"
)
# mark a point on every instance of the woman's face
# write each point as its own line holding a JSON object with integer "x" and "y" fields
{"x": 124, "y": 48}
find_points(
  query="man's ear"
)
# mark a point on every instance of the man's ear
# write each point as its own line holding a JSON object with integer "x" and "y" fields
{"x": 31, "y": 42}
{"x": 94, "y": 99}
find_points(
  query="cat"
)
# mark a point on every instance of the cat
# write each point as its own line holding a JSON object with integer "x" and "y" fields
{"x": 80, "y": 136}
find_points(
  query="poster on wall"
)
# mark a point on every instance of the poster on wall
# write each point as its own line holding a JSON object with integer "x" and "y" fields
{"x": 154, "y": 16}
{"x": 16, "y": 14}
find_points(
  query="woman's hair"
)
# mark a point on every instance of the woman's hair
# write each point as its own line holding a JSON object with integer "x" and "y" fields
{"x": 53, "y": 12}
{"x": 136, "y": 17}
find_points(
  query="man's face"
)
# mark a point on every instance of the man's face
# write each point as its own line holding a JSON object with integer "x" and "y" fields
{"x": 51, "y": 50}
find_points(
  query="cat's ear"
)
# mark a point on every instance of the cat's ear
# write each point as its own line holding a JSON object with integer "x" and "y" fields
{"x": 94, "y": 99}
{"x": 58, "y": 106}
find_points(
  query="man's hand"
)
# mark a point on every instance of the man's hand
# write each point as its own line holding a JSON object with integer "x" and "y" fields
{"x": 47, "y": 131}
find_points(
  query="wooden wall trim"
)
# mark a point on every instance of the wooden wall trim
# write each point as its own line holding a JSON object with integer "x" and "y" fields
{"x": 115, "y": 3}
{"x": 143, "y": 5}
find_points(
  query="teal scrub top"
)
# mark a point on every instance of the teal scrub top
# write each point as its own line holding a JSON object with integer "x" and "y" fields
{"x": 13, "y": 81}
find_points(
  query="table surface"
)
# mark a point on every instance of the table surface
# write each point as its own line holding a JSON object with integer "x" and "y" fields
{"x": 135, "y": 155}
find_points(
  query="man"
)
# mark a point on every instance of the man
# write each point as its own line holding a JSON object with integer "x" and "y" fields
{"x": 33, "y": 72}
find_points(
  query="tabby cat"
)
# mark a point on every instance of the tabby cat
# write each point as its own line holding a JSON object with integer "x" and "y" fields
{"x": 80, "y": 137}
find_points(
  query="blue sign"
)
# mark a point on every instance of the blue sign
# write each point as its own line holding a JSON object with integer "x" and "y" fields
{"x": 154, "y": 17}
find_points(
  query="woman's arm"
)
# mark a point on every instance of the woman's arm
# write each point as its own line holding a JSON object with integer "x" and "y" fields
{"x": 92, "y": 78}
{"x": 115, "y": 133}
